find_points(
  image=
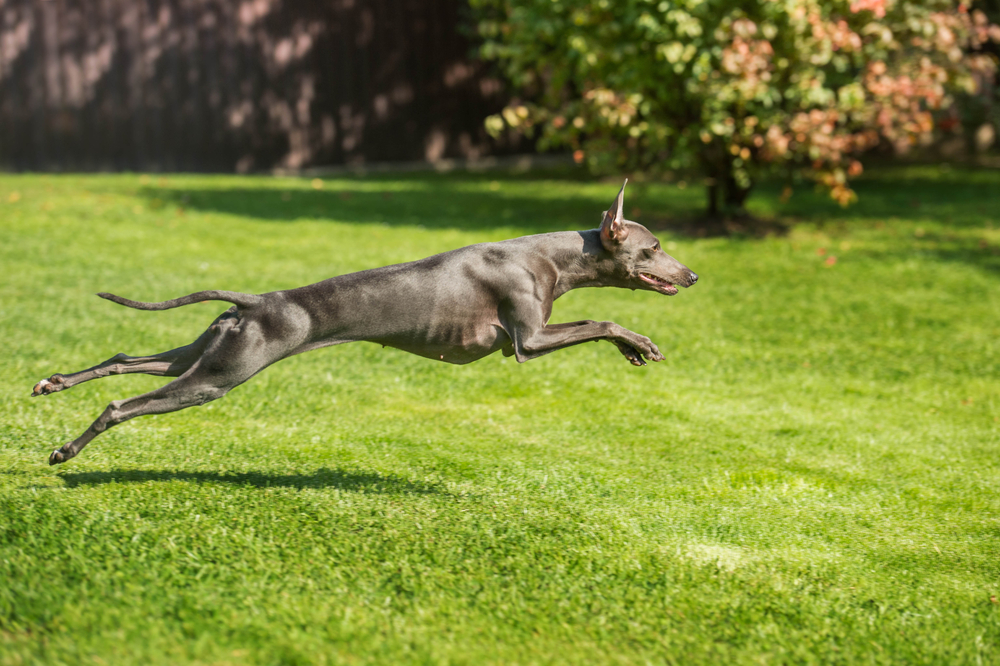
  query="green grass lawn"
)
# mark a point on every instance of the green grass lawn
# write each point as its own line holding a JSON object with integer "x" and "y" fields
{"x": 812, "y": 476}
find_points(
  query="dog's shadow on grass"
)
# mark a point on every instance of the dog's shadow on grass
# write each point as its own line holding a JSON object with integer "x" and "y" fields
{"x": 358, "y": 482}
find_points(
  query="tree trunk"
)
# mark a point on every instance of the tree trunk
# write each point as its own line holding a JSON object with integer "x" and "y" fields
{"x": 736, "y": 198}
{"x": 733, "y": 198}
{"x": 726, "y": 198}
{"x": 713, "y": 199}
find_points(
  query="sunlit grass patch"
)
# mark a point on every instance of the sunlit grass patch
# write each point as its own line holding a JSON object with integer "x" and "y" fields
{"x": 811, "y": 476}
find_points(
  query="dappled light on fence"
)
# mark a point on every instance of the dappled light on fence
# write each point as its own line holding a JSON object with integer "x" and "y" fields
{"x": 245, "y": 86}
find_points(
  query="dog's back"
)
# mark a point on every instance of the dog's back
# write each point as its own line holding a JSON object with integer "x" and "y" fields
{"x": 444, "y": 307}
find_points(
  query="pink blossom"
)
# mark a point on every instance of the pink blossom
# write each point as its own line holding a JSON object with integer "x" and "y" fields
{"x": 875, "y": 6}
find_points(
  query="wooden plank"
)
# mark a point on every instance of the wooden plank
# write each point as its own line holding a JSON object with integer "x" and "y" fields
{"x": 92, "y": 69}
{"x": 9, "y": 93}
{"x": 71, "y": 56}
{"x": 46, "y": 91}
{"x": 114, "y": 108}
{"x": 189, "y": 134}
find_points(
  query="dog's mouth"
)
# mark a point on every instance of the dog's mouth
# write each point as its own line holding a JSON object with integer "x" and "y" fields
{"x": 660, "y": 285}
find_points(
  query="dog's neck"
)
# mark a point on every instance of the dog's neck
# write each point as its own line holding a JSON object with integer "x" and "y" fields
{"x": 582, "y": 261}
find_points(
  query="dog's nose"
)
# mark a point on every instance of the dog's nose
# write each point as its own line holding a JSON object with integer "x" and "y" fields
{"x": 694, "y": 277}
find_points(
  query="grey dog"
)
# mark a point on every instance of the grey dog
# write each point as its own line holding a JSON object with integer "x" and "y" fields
{"x": 458, "y": 307}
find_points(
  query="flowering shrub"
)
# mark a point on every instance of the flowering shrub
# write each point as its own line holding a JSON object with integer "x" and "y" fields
{"x": 726, "y": 89}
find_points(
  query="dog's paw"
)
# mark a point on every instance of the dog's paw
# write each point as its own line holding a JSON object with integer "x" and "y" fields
{"x": 654, "y": 354}
{"x": 631, "y": 353}
{"x": 648, "y": 349}
{"x": 50, "y": 385}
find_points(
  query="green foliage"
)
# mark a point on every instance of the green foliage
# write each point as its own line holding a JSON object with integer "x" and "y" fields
{"x": 812, "y": 476}
{"x": 728, "y": 89}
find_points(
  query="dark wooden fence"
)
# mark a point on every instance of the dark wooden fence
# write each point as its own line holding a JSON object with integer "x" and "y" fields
{"x": 244, "y": 85}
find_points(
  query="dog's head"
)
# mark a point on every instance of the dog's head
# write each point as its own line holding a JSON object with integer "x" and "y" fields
{"x": 640, "y": 261}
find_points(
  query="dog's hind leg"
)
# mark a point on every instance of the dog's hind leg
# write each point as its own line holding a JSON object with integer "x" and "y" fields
{"x": 234, "y": 351}
{"x": 196, "y": 387}
{"x": 173, "y": 363}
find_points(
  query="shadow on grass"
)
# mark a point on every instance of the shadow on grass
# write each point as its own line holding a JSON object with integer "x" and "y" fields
{"x": 553, "y": 201}
{"x": 447, "y": 209}
{"x": 956, "y": 198}
{"x": 359, "y": 482}
{"x": 943, "y": 248}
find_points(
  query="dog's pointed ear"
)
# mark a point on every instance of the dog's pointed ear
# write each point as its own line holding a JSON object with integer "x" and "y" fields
{"x": 613, "y": 229}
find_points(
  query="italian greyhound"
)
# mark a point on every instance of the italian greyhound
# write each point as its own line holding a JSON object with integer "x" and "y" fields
{"x": 457, "y": 307}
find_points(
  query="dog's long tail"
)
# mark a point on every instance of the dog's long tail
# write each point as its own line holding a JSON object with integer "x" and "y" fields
{"x": 235, "y": 297}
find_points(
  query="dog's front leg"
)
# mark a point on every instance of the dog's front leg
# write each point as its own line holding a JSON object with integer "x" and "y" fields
{"x": 529, "y": 343}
